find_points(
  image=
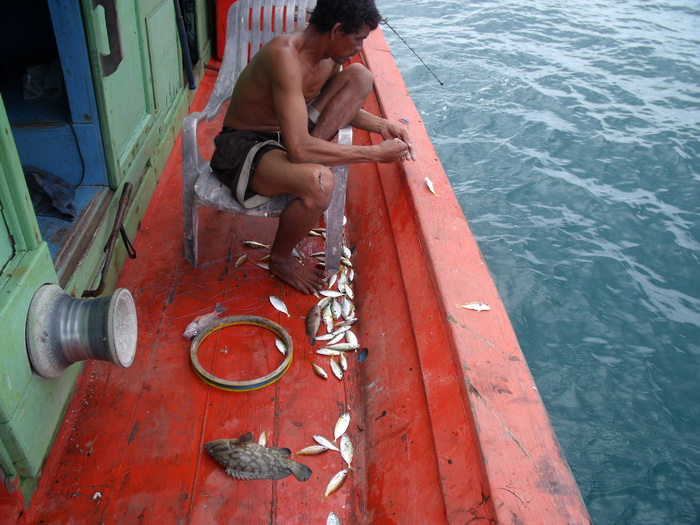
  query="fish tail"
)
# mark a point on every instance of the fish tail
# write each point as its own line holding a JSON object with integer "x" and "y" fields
{"x": 300, "y": 471}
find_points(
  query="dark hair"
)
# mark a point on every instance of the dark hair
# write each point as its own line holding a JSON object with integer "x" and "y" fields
{"x": 351, "y": 14}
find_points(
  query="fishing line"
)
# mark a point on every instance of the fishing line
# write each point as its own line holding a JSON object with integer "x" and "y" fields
{"x": 385, "y": 21}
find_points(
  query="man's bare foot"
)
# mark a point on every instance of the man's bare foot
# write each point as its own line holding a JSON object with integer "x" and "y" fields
{"x": 304, "y": 279}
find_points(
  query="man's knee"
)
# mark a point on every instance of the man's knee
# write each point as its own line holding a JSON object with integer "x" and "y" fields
{"x": 319, "y": 187}
{"x": 361, "y": 76}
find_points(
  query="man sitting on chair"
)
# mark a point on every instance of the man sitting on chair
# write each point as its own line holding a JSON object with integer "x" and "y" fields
{"x": 288, "y": 104}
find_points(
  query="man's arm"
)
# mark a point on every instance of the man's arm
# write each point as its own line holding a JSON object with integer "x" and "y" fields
{"x": 387, "y": 129}
{"x": 286, "y": 74}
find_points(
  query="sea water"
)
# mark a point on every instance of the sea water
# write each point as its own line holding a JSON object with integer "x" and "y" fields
{"x": 570, "y": 131}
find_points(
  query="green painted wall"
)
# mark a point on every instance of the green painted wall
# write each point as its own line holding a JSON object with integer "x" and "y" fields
{"x": 32, "y": 408}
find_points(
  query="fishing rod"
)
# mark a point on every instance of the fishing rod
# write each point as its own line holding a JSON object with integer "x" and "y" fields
{"x": 386, "y": 21}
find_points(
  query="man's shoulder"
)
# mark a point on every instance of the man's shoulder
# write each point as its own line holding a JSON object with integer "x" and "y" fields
{"x": 284, "y": 44}
{"x": 280, "y": 51}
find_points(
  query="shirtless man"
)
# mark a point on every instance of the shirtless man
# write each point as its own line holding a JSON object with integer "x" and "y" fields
{"x": 286, "y": 107}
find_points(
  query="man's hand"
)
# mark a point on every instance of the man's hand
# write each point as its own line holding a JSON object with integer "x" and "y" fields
{"x": 394, "y": 149}
{"x": 392, "y": 130}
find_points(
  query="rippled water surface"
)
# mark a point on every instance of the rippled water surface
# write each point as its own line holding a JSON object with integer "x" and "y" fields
{"x": 570, "y": 131}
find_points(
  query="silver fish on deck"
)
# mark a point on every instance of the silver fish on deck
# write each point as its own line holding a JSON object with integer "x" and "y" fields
{"x": 476, "y": 306}
{"x": 313, "y": 322}
{"x": 325, "y": 442}
{"x": 341, "y": 426}
{"x": 256, "y": 245}
{"x": 347, "y": 450}
{"x": 335, "y": 482}
{"x": 279, "y": 305}
{"x": 311, "y": 450}
{"x": 336, "y": 369}
{"x": 244, "y": 459}
{"x": 320, "y": 372}
{"x": 201, "y": 321}
{"x": 429, "y": 184}
{"x": 327, "y": 317}
{"x": 328, "y": 352}
{"x": 281, "y": 346}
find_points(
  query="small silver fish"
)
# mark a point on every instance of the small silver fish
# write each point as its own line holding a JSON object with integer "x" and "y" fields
{"x": 328, "y": 352}
{"x": 347, "y": 450}
{"x": 429, "y": 183}
{"x": 336, "y": 338}
{"x": 327, "y": 316}
{"x": 330, "y": 293}
{"x": 201, "y": 321}
{"x": 281, "y": 346}
{"x": 475, "y": 305}
{"x": 335, "y": 482}
{"x": 313, "y": 322}
{"x": 244, "y": 459}
{"x": 351, "y": 338}
{"x": 333, "y": 519}
{"x": 344, "y": 346}
{"x": 341, "y": 425}
{"x": 343, "y": 362}
{"x": 346, "y": 307}
{"x": 336, "y": 310}
{"x": 320, "y": 372}
{"x": 324, "y": 302}
{"x": 335, "y": 368}
{"x": 311, "y": 450}
{"x": 279, "y": 305}
{"x": 349, "y": 292}
{"x": 341, "y": 329}
{"x": 257, "y": 245}
{"x": 262, "y": 440}
{"x": 241, "y": 260}
{"x": 332, "y": 279}
{"x": 325, "y": 442}
{"x": 349, "y": 321}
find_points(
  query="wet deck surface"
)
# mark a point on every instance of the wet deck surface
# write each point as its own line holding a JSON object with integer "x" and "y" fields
{"x": 130, "y": 449}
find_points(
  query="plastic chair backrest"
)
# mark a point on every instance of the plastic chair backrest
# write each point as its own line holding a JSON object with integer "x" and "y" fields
{"x": 251, "y": 24}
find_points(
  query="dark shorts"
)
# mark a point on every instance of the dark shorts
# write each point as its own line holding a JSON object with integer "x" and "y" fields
{"x": 238, "y": 153}
{"x": 236, "y": 157}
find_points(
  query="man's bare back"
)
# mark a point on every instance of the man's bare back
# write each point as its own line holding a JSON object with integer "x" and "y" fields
{"x": 253, "y": 93}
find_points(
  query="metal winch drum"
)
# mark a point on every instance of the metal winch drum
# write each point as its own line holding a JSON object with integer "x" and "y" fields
{"x": 62, "y": 330}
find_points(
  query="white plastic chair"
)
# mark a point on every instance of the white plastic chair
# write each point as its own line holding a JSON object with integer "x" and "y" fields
{"x": 200, "y": 186}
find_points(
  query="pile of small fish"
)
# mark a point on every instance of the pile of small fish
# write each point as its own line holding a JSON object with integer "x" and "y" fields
{"x": 245, "y": 459}
{"x": 336, "y": 311}
{"x": 345, "y": 448}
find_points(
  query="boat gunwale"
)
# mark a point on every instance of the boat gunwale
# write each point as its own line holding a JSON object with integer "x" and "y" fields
{"x": 529, "y": 480}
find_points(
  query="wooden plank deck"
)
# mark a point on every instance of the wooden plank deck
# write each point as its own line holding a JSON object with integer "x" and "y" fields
{"x": 446, "y": 422}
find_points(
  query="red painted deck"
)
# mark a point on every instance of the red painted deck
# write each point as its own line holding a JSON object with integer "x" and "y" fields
{"x": 447, "y": 424}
